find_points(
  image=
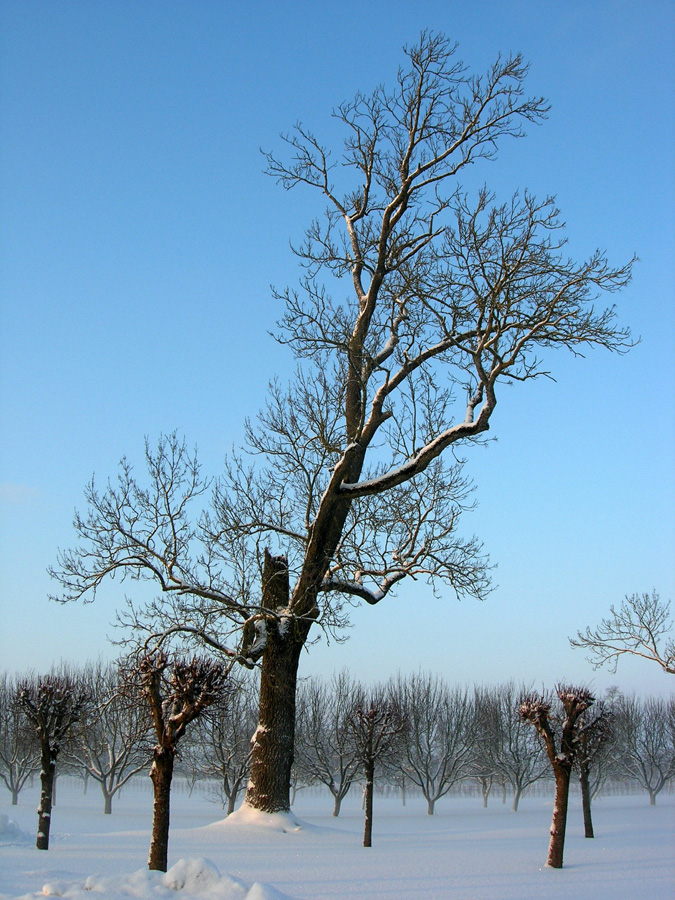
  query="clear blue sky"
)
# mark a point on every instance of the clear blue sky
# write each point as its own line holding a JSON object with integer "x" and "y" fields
{"x": 139, "y": 238}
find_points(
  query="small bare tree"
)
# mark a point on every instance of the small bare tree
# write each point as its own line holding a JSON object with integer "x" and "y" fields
{"x": 52, "y": 704}
{"x": 437, "y": 748}
{"x": 378, "y": 726}
{"x": 559, "y": 732}
{"x": 177, "y": 693}
{"x": 110, "y": 742}
{"x": 19, "y": 750}
{"x": 326, "y": 750}
{"x": 595, "y": 738}
{"x": 645, "y": 749}
{"x": 639, "y": 627}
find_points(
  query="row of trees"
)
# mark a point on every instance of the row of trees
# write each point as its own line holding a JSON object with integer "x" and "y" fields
{"x": 109, "y": 723}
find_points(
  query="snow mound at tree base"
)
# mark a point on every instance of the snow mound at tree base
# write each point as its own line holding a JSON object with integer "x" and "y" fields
{"x": 280, "y": 821}
{"x": 188, "y": 879}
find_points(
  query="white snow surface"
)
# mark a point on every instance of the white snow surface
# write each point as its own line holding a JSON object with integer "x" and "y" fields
{"x": 463, "y": 852}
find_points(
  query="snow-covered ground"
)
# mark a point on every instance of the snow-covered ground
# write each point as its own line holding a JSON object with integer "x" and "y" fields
{"x": 464, "y": 852}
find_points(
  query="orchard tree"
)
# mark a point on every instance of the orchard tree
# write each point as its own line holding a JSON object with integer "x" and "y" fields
{"x": 595, "y": 741}
{"x": 437, "y": 750}
{"x": 378, "y": 726}
{"x": 645, "y": 749}
{"x": 52, "y": 704}
{"x": 326, "y": 750}
{"x": 177, "y": 693}
{"x": 111, "y": 741}
{"x": 639, "y": 627}
{"x": 416, "y": 302}
{"x": 19, "y": 750}
{"x": 559, "y": 731}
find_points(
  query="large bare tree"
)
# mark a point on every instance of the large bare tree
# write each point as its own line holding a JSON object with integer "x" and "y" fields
{"x": 353, "y": 482}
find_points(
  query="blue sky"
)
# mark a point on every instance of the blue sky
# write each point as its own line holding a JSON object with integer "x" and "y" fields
{"x": 139, "y": 237}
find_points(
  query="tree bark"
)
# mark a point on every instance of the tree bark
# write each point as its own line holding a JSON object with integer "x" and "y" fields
{"x": 586, "y": 800}
{"x": 516, "y": 799}
{"x": 430, "y": 806}
{"x": 47, "y": 778}
{"x": 337, "y": 804}
{"x": 559, "y": 823}
{"x": 107, "y": 803}
{"x": 368, "y": 823}
{"x": 161, "y": 774}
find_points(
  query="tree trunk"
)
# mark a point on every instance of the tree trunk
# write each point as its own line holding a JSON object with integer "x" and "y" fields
{"x": 559, "y": 823}
{"x": 107, "y": 803}
{"x": 272, "y": 745}
{"x": 15, "y": 796}
{"x": 402, "y": 790}
{"x": 430, "y": 806}
{"x": 161, "y": 774}
{"x": 47, "y": 781}
{"x": 368, "y": 824}
{"x": 652, "y": 798}
{"x": 516, "y": 799}
{"x": 231, "y": 802}
{"x": 337, "y": 804}
{"x": 269, "y": 786}
{"x": 586, "y": 800}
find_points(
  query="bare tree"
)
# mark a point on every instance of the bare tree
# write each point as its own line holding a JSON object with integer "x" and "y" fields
{"x": 645, "y": 748}
{"x": 354, "y": 478}
{"x": 327, "y": 752}
{"x": 111, "y": 741}
{"x": 559, "y": 732}
{"x": 19, "y": 750}
{"x": 377, "y": 726}
{"x": 177, "y": 694}
{"x": 439, "y": 739}
{"x": 224, "y": 739}
{"x": 638, "y": 627}
{"x": 519, "y": 758}
{"x": 52, "y": 704}
{"x": 595, "y": 738}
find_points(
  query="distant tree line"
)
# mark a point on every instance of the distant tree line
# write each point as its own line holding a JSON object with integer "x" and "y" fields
{"x": 108, "y": 723}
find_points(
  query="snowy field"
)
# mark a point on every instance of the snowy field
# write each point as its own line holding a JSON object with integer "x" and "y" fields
{"x": 464, "y": 852}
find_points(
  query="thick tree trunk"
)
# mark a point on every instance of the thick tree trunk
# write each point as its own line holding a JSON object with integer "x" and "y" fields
{"x": 559, "y": 823}
{"x": 161, "y": 774}
{"x": 586, "y": 800}
{"x": 269, "y": 786}
{"x": 107, "y": 803}
{"x": 337, "y": 804}
{"x": 47, "y": 779}
{"x": 368, "y": 823}
{"x": 15, "y": 797}
{"x": 430, "y": 806}
{"x": 652, "y": 798}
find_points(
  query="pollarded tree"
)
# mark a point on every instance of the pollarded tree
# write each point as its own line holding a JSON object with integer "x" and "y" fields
{"x": 111, "y": 742}
{"x": 378, "y": 725}
{"x": 19, "y": 750}
{"x": 560, "y": 732}
{"x": 446, "y": 296}
{"x": 440, "y": 735}
{"x": 177, "y": 694}
{"x": 52, "y": 704}
{"x": 639, "y": 627}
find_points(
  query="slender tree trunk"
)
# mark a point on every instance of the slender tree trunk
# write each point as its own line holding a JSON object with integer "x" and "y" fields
{"x": 231, "y": 802}
{"x": 652, "y": 797}
{"x": 559, "y": 823}
{"x": 107, "y": 803}
{"x": 337, "y": 804}
{"x": 586, "y": 800}
{"x": 403, "y": 789}
{"x": 431, "y": 803}
{"x": 516, "y": 798}
{"x": 15, "y": 796}
{"x": 368, "y": 824}
{"x": 161, "y": 774}
{"x": 47, "y": 781}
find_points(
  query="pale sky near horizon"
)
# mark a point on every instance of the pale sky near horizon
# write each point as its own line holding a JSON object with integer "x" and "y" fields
{"x": 139, "y": 237}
